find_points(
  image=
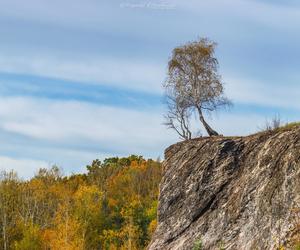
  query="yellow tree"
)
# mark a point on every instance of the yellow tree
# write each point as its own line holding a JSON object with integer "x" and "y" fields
{"x": 67, "y": 232}
{"x": 87, "y": 206}
{"x": 8, "y": 208}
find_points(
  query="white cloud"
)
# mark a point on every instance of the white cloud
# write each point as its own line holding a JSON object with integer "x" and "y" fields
{"x": 71, "y": 121}
{"x": 256, "y": 11}
{"x": 65, "y": 13}
{"x": 24, "y": 167}
{"x": 249, "y": 91}
{"x": 110, "y": 71}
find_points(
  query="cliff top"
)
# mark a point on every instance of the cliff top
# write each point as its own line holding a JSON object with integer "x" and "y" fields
{"x": 238, "y": 192}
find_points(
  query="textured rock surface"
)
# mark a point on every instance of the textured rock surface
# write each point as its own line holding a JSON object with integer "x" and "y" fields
{"x": 236, "y": 192}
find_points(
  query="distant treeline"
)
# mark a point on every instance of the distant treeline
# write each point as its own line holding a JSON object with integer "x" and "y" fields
{"x": 113, "y": 206}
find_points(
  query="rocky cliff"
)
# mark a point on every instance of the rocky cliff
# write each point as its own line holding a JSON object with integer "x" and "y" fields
{"x": 230, "y": 192}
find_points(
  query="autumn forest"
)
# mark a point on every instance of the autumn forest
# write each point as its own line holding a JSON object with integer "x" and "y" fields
{"x": 112, "y": 206}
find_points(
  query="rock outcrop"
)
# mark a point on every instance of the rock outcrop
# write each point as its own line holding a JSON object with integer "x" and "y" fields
{"x": 230, "y": 192}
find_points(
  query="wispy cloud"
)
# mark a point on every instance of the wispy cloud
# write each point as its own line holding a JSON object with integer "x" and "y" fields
{"x": 255, "y": 92}
{"x": 25, "y": 168}
{"x": 246, "y": 8}
{"x": 122, "y": 130}
{"x": 12, "y": 84}
{"x": 113, "y": 72}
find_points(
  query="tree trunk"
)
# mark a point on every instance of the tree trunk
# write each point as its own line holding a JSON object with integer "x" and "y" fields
{"x": 208, "y": 129}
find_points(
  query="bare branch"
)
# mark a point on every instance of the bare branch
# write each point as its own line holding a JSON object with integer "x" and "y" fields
{"x": 177, "y": 118}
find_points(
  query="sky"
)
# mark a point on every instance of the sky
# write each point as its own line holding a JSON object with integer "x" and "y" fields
{"x": 81, "y": 80}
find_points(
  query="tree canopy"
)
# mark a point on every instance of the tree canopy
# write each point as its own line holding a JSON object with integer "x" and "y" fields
{"x": 193, "y": 85}
{"x": 112, "y": 206}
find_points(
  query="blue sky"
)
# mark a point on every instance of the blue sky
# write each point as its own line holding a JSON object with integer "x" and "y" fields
{"x": 81, "y": 80}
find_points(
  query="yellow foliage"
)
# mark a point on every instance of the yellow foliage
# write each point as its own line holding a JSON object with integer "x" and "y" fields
{"x": 66, "y": 236}
{"x": 113, "y": 207}
{"x": 152, "y": 227}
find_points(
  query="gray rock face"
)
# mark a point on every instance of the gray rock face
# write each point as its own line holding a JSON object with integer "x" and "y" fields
{"x": 230, "y": 192}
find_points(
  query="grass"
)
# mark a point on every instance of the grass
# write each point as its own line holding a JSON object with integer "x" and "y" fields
{"x": 197, "y": 245}
{"x": 288, "y": 126}
{"x": 273, "y": 127}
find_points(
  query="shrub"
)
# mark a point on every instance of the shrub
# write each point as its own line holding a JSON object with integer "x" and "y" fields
{"x": 197, "y": 245}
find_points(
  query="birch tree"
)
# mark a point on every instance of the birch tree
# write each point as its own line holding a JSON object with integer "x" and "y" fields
{"x": 193, "y": 85}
